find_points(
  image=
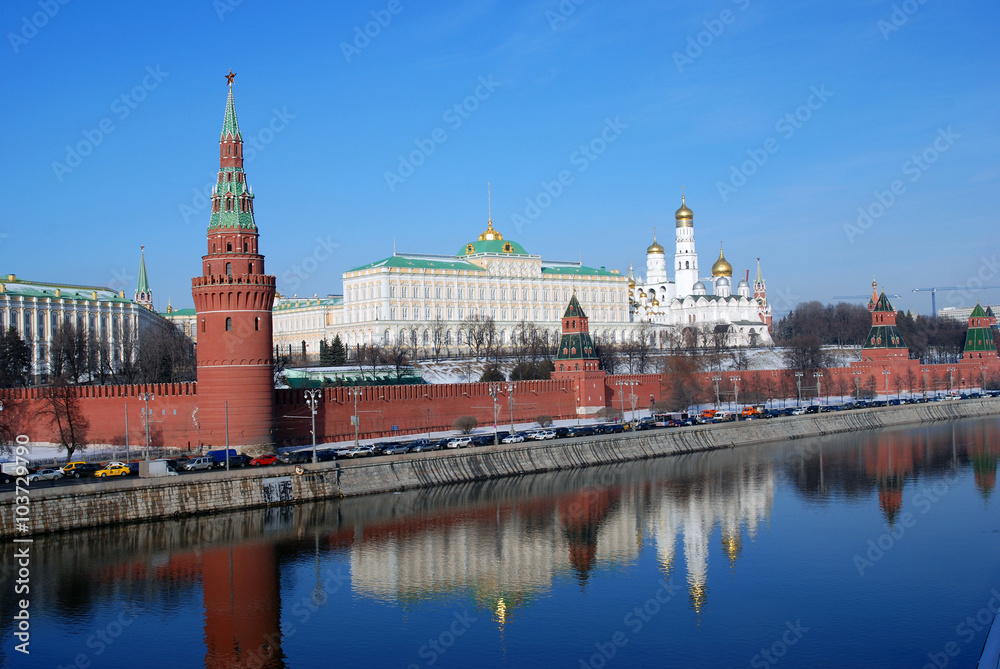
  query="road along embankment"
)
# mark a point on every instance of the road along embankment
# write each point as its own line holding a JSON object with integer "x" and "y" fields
{"x": 55, "y": 509}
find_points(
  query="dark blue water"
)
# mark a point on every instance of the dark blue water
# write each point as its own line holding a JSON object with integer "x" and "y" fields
{"x": 867, "y": 550}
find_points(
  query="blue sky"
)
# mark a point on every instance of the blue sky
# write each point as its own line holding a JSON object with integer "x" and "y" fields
{"x": 664, "y": 95}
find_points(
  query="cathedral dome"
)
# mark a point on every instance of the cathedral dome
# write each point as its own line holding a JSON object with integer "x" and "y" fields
{"x": 722, "y": 266}
{"x": 655, "y": 302}
{"x": 699, "y": 289}
{"x": 684, "y": 216}
{"x": 743, "y": 284}
{"x": 722, "y": 281}
{"x": 654, "y": 247}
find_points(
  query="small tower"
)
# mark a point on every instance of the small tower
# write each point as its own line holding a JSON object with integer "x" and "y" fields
{"x": 233, "y": 298}
{"x": 884, "y": 342}
{"x": 760, "y": 296}
{"x": 143, "y": 295}
{"x": 979, "y": 341}
{"x": 576, "y": 359}
{"x": 656, "y": 263}
{"x": 874, "y": 298}
{"x": 685, "y": 258}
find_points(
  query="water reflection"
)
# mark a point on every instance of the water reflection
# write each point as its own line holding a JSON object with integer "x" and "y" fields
{"x": 501, "y": 543}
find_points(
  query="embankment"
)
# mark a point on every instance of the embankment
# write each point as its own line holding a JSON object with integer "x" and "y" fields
{"x": 54, "y": 509}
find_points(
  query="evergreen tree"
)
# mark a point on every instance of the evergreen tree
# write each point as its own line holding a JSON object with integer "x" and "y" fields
{"x": 15, "y": 360}
{"x": 338, "y": 353}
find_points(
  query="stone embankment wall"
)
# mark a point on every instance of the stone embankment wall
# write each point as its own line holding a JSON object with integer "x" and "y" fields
{"x": 54, "y": 509}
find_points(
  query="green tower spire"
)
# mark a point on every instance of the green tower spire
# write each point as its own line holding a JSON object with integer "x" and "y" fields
{"x": 232, "y": 199}
{"x": 143, "y": 295}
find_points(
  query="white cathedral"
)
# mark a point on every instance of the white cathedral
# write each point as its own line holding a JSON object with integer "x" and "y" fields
{"x": 685, "y": 303}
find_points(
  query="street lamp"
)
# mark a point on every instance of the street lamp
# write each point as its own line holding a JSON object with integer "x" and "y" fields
{"x": 146, "y": 397}
{"x": 925, "y": 370}
{"x": 510, "y": 402}
{"x": 951, "y": 380}
{"x": 355, "y": 391}
{"x": 716, "y": 379}
{"x": 857, "y": 386}
{"x": 736, "y": 390}
{"x": 493, "y": 393}
{"x": 983, "y": 368}
{"x": 798, "y": 383}
{"x": 886, "y": 373}
{"x": 312, "y": 399}
{"x": 621, "y": 384}
{"x": 819, "y": 393}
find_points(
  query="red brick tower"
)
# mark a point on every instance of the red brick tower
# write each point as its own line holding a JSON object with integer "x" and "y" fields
{"x": 233, "y": 298}
{"x": 576, "y": 359}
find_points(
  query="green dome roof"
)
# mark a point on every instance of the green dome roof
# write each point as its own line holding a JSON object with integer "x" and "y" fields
{"x": 492, "y": 246}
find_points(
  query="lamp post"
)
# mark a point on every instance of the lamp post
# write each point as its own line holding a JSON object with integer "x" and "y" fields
{"x": 312, "y": 399}
{"x": 428, "y": 424}
{"x": 127, "y": 458}
{"x": 621, "y": 389}
{"x": 716, "y": 379}
{"x": 951, "y": 380}
{"x": 493, "y": 394}
{"x": 924, "y": 370}
{"x": 146, "y": 397}
{"x": 226, "y": 404}
{"x": 886, "y": 373}
{"x": 736, "y": 390}
{"x": 983, "y": 368}
{"x": 511, "y": 386}
{"x": 857, "y": 386}
{"x": 355, "y": 391}
{"x": 798, "y": 384}
{"x": 819, "y": 392}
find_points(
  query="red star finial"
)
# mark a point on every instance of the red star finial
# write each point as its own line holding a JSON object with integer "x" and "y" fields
{"x": 230, "y": 76}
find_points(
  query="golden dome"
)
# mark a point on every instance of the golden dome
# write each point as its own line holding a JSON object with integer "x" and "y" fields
{"x": 722, "y": 266}
{"x": 642, "y": 294}
{"x": 490, "y": 234}
{"x": 655, "y": 246}
{"x": 684, "y": 216}
{"x": 656, "y": 302}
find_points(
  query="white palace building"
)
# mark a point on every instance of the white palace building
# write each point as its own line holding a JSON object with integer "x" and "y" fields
{"x": 407, "y": 297}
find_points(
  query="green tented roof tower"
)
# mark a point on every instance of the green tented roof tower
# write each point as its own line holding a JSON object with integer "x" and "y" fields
{"x": 143, "y": 295}
{"x": 884, "y": 339}
{"x": 576, "y": 346}
{"x": 232, "y": 198}
{"x": 979, "y": 341}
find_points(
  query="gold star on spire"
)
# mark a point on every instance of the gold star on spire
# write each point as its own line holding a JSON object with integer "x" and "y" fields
{"x": 230, "y": 76}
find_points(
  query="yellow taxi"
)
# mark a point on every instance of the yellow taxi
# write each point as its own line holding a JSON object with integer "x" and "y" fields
{"x": 113, "y": 469}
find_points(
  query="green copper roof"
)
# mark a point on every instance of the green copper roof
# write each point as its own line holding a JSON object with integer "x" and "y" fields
{"x": 989, "y": 312}
{"x": 180, "y": 312}
{"x": 884, "y": 336}
{"x": 883, "y": 304}
{"x": 142, "y": 288}
{"x": 978, "y": 312}
{"x": 574, "y": 310}
{"x": 420, "y": 262}
{"x": 576, "y": 346}
{"x": 577, "y": 270}
{"x": 235, "y": 189}
{"x": 760, "y": 277}
{"x": 292, "y": 303}
{"x": 27, "y": 289}
{"x": 230, "y": 126}
{"x": 980, "y": 340}
{"x": 503, "y": 246}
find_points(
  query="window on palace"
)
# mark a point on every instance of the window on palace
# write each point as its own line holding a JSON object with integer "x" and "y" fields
{"x": 406, "y": 313}
{"x": 437, "y": 293}
{"x": 439, "y": 313}
{"x": 513, "y": 313}
{"x": 524, "y": 294}
{"x": 451, "y": 314}
{"x": 534, "y": 295}
{"x": 461, "y": 293}
{"x": 461, "y": 313}
{"x": 427, "y": 337}
{"x": 545, "y": 295}
{"x": 493, "y": 293}
{"x": 392, "y": 290}
{"x": 493, "y": 314}
{"x": 427, "y": 292}
{"x": 449, "y": 292}
{"x": 503, "y": 293}
{"x": 537, "y": 314}
{"x": 402, "y": 290}
{"x": 427, "y": 313}
{"x": 482, "y": 293}
{"x": 503, "y": 314}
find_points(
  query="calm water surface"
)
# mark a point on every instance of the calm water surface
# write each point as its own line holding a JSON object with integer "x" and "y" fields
{"x": 877, "y": 549}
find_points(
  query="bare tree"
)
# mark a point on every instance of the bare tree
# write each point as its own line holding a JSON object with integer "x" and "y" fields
{"x": 370, "y": 355}
{"x": 395, "y": 354}
{"x": 61, "y": 407}
{"x": 437, "y": 337}
{"x": 475, "y": 334}
{"x": 465, "y": 424}
{"x": 544, "y": 420}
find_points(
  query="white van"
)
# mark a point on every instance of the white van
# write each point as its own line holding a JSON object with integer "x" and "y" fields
{"x": 203, "y": 462}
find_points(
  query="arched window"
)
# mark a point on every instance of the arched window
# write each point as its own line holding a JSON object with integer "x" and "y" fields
{"x": 687, "y": 265}
{"x": 203, "y": 325}
{"x": 244, "y": 247}
{"x": 256, "y": 323}
{"x": 249, "y": 268}
{"x": 229, "y": 268}
{"x": 229, "y": 324}
{"x": 229, "y": 247}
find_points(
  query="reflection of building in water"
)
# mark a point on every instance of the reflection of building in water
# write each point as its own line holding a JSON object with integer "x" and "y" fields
{"x": 507, "y": 553}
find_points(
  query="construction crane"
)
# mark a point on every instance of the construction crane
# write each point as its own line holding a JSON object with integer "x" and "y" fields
{"x": 862, "y": 297}
{"x": 933, "y": 292}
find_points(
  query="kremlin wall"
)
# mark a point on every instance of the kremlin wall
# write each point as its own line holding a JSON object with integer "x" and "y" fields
{"x": 234, "y": 300}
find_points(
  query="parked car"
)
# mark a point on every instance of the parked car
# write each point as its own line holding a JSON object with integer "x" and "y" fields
{"x": 45, "y": 475}
{"x": 296, "y": 457}
{"x": 361, "y": 452}
{"x": 84, "y": 471}
{"x": 561, "y": 432}
{"x": 218, "y": 457}
{"x": 541, "y": 435}
{"x": 113, "y": 469}
{"x": 203, "y": 462}
{"x": 483, "y": 440}
{"x": 513, "y": 439}
{"x": 67, "y": 469}
{"x": 326, "y": 454}
{"x": 423, "y": 446}
{"x": 459, "y": 442}
{"x": 396, "y": 449}
{"x": 264, "y": 460}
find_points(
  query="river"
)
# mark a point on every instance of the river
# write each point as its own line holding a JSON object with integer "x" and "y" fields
{"x": 874, "y": 549}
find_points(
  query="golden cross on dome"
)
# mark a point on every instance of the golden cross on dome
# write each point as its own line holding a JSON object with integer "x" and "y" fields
{"x": 230, "y": 76}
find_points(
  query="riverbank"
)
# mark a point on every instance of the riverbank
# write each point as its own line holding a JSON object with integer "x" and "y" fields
{"x": 135, "y": 500}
